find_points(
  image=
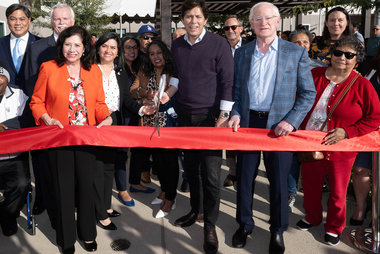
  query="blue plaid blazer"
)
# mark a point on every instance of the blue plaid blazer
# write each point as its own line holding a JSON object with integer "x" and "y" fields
{"x": 294, "y": 91}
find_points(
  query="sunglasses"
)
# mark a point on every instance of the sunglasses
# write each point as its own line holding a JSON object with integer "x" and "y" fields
{"x": 147, "y": 37}
{"x": 227, "y": 28}
{"x": 339, "y": 53}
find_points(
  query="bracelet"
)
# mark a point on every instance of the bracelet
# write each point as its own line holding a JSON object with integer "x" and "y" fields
{"x": 138, "y": 92}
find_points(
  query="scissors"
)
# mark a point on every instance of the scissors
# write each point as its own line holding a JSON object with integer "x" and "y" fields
{"x": 156, "y": 102}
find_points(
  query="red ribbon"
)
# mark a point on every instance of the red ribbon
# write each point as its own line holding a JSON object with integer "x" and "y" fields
{"x": 178, "y": 137}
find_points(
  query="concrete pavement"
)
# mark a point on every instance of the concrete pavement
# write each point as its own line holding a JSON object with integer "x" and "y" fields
{"x": 159, "y": 236}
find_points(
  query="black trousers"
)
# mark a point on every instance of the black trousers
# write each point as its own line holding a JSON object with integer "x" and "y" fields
{"x": 103, "y": 180}
{"x": 72, "y": 171}
{"x": 139, "y": 163}
{"x": 15, "y": 180}
{"x": 203, "y": 170}
{"x": 166, "y": 161}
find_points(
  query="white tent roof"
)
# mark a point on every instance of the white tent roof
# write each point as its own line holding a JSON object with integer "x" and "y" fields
{"x": 6, "y": 3}
{"x": 130, "y": 7}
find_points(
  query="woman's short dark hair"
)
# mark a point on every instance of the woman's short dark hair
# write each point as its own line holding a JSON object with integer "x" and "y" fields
{"x": 326, "y": 34}
{"x": 352, "y": 42}
{"x": 148, "y": 67}
{"x": 15, "y": 7}
{"x": 300, "y": 31}
{"x": 118, "y": 62}
{"x": 191, "y": 4}
{"x": 86, "y": 58}
{"x": 137, "y": 62}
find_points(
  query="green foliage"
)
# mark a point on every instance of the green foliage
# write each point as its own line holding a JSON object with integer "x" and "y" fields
{"x": 87, "y": 13}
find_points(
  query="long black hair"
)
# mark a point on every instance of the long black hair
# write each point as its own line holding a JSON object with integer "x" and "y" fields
{"x": 148, "y": 67}
{"x": 86, "y": 58}
{"x": 118, "y": 61}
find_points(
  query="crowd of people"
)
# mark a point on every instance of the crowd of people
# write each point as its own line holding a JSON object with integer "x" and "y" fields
{"x": 200, "y": 80}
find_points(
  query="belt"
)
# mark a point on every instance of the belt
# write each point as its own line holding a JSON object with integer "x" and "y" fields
{"x": 259, "y": 114}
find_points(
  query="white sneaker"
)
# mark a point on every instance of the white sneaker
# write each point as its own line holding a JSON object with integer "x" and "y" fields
{"x": 156, "y": 201}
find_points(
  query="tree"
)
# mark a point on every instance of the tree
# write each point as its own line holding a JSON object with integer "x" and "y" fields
{"x": 356, "y": 4}
{"x": 87, "y": 13}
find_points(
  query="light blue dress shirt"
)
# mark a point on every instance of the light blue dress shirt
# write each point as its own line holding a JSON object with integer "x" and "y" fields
{"x": 262, "y": 78}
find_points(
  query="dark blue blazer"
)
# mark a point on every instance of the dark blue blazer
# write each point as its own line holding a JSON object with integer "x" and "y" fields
{"x": 17, "y": 79}
{"x": 39, "y": 52}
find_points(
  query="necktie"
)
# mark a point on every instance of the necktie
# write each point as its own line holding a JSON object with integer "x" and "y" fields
{"x": 17, "y": 55}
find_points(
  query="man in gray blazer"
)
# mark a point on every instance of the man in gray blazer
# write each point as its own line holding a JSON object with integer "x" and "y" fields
{"x": 274, "y": 90}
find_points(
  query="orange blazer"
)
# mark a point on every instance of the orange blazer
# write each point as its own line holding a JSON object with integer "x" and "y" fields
{"x": 51, "y": 94}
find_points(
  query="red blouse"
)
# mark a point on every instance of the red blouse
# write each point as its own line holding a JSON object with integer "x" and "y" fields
{"x": 358, "y": 113}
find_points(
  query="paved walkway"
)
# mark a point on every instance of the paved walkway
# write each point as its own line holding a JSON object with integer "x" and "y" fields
{"x": 159, "y": 236}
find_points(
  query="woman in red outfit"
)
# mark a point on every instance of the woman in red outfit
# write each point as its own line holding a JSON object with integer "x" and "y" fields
{"x": 357, "y": 114}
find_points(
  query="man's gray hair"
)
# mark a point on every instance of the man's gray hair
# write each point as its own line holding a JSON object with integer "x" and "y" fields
{"x": 274, "y": 7}
{"x": 234, "y": 17}
{"x": 57, "y": 6}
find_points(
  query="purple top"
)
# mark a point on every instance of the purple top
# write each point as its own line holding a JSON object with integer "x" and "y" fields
{"x": 205, "y": 72}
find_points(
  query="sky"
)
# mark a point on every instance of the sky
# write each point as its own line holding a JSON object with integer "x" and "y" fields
{"x": 130, "y": 7}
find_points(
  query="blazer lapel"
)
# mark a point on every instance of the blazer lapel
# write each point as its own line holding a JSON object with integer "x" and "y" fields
{"x": 281, "y": 61}
{"x": 7, "y": 47}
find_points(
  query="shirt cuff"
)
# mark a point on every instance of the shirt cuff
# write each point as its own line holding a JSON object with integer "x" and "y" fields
{"x": 174, "y": 82}
{"x": 226, "y": 105}
{"x": 140, "y": 111}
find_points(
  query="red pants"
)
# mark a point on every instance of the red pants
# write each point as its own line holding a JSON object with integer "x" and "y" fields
{"x": 338, "y": 173}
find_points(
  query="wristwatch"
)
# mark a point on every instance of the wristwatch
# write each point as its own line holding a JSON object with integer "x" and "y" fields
{"x": 224, "y": 115}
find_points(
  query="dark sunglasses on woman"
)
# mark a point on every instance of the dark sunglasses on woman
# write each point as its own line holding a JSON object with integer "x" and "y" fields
{"x": 339, "y": 53}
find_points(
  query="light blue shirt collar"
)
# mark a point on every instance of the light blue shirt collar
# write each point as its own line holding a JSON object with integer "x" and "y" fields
{"x": 199, "y": 39}
{"x": 273, "y": 46}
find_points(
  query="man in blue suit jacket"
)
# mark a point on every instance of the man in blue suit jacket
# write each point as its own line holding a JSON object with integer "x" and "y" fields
{"x": 62, "y": 16}
{"x": 18, "y": 19}
{"x": 274, "y": 90}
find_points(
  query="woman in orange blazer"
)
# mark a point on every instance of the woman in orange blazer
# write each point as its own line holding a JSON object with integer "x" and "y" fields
{"x": 69, "y": 91}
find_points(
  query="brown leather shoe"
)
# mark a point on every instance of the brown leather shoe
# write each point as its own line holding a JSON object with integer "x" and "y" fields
{"x": 210, "y": 244}
{"x": 145, "y": 177}
{"x": 229, "y": 181}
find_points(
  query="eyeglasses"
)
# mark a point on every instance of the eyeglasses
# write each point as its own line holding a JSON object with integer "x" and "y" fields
{"x": 339, "y": 53}
{"x": 260, "y": 19}
{"x": 233, "y": 27}
{"x": 376, "y": 29}
{"x": 147, "y": 37}
{"x": 131, "y": 47}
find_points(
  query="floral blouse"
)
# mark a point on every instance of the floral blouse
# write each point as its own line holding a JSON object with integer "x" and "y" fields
{"x": 77, "y": 103}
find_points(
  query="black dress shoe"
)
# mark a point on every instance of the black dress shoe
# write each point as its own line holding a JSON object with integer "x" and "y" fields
{"x": 110, "y": 226}
{"x": 210, "y": 244}
{"x": 90, "y": 247}
{"x": 240, "y": 238}
{"x": 69, "y": 250}
{"x": 276, "y": 245}
{"x": 9, "y": 227}
{"x": 38, "y": 208}
{"x": 114, "y": 214}
{"x": 187, "y": 220}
